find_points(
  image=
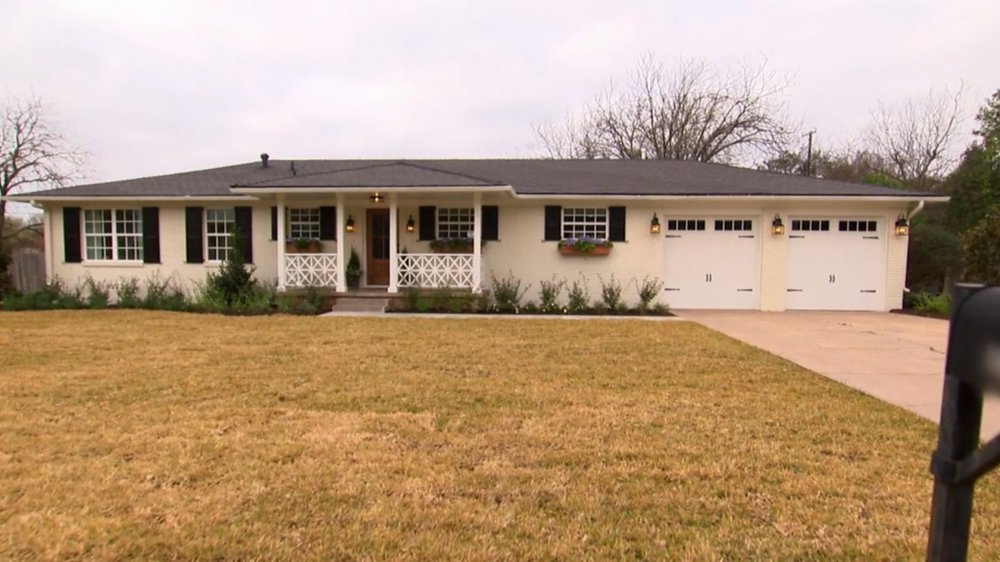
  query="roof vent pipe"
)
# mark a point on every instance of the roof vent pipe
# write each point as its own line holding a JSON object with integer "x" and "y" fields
{"x": 263, "y": 159}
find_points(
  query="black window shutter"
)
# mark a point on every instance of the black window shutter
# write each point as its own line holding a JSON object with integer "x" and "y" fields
{"x": 274, "y": 223}
{"x": 151, "y": 234}
{"x": 71, "y": 234}
{"x": 428, "y": 223}
{"x": 491, "y": 223}
{"x": 616, "y": 224}
{"x": 553, "y": 223}
{"x": 327, "y": 223}
{"x": 244, "y": 225}
{"x": 193, "y": 234}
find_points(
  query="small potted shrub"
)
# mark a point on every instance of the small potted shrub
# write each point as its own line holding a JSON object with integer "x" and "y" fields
{"x": 353, "y": 271}
{"x": 585, "y": 246}
{"x": 303, "y": 246}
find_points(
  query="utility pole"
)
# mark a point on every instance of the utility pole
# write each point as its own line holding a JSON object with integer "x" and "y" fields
{"x": 809, "y": 153}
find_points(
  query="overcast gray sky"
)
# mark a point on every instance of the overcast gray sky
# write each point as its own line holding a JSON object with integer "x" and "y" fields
{"x": 151, "y": 87}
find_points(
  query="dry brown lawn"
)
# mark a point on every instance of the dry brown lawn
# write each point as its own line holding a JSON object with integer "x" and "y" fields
{"x": 136, "y": 435}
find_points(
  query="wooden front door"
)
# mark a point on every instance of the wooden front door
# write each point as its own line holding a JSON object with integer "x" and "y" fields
{"x": 378, "y": 246}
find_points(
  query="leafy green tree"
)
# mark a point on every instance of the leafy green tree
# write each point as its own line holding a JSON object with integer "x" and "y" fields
{"x": 975, "y": 185}
{"x": 982, "y": 249}
{"x": 935, "y": 252}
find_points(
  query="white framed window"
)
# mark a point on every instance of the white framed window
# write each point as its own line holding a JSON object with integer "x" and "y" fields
{"x": 112, "y": 234}
{"x": 457, "y": 222}
{"x": 220, "y": 225}
{"x": 579, "y": 222}
{"x": 303, "y": 223}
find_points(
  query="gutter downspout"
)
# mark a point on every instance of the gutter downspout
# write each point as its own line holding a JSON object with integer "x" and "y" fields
{"x": 916, "y": 210}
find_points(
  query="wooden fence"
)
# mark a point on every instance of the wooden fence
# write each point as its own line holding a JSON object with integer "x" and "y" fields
{"x": 27, "y": 269}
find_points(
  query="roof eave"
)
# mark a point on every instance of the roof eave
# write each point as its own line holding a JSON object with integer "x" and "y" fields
{"x": 272, "y": 190}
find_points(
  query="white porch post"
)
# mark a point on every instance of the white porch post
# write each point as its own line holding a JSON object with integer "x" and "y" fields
{"x": 393, "y": 243}
{"x": 341, "y": 234}
{"x": 281, "y": 243}
{"x": 477, "y": 243}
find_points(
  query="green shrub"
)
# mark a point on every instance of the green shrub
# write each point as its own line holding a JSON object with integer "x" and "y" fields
{"x": 440, "y": 299}
{"x": 661, "y": 308}
{"x": 410, "y": 298}
{"x": 308, "y": 304}
{"x": 611, "y": 293}
{"x": 54, "y": 295}
{"x": 507, "y": 293}
{"x": 579, "y": 296}
{"x": 647, "y": 290}
{"x": 234, "y": 284}
{"x": 98, "y": 293}
{"x": 128, "y": 293}
{"x": 550, "y": 291}
{"x": 530, "y": 308}
{"x": 928, "y": 303}
{"x": 164, "y": 294}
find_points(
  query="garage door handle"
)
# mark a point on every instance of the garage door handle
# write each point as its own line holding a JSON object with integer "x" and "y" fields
{"x": 794, "y": 290}
{"x": 870, "y": 237}
{"x": 672, "y": 236}
{"x": 746, "y": 236}
{"x": 671, "y": 288}
{"x": 868, "y": 291}
{"x": 744, "y": 290}
{"x": 796, "y": 236}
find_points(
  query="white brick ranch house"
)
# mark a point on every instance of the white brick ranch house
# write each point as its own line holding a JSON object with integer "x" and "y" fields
{"x": 717, "y": 236}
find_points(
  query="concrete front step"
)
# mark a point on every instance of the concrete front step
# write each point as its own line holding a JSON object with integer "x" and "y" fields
{"x": 348, "y": 304}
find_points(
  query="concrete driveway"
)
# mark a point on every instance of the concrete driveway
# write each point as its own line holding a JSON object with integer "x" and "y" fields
{"x": 893, "y": 357}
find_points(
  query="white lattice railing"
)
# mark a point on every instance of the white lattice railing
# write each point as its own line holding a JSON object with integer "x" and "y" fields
{"x": 435, "y": 270}
{"x": 311, "y": 270}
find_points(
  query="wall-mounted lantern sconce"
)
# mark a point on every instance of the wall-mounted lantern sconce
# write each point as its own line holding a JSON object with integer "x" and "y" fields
{"x": 349, "y": 225}
{"x": 410, "y": 225}
{"x": 654, "y": 225}
{"x": 777, "y": 227}
{"x": 377, "y": 197}
{"x": 902, "y": 226}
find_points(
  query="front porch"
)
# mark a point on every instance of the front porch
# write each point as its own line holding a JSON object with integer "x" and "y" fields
{"x": 423, "y": 271}
{"x": 402, "y": 241}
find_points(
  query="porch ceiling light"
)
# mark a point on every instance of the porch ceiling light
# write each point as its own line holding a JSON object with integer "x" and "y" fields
{"x": 902, "y": 226}
{"x": 777, "y": 227}
{"x": 349, "y": 225}
{"x": 410, "y": 225}
{"x": 377, "y": 197}
{"x": 654, "y": 225}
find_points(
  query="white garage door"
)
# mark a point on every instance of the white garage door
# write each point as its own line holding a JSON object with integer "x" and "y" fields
{"x": 836, "y": 264}
{"x": 712, "y": 263}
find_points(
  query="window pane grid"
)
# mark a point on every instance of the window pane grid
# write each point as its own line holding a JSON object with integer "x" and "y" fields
{"x": 810, "y": 225}
{"x": 303, "y": 224}
{"x": 455, "y": 222}
{"x": 219, "y": 227}
{"x": 585, "y": 222}
{"x": 685, "y": 224}
{"x": 113, "y": 234}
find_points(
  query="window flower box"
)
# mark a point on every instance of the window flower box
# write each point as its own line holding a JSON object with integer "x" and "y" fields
{"x": 585, "y": 247}
{"x": 453, "y": 245}
{"x": 303, "y": 246}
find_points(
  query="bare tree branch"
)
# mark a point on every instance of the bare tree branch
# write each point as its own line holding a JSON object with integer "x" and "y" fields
{"x": 915, "y": 137}
{"x": 32, "y": 154}
{"x": 694, "y": 112}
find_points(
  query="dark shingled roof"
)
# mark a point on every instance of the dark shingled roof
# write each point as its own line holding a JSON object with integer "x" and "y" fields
{"x": 527, "y": 177}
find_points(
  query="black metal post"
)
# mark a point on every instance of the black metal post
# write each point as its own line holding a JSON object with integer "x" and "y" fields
{"x": 958, "y": 437}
